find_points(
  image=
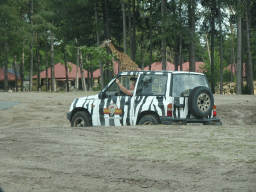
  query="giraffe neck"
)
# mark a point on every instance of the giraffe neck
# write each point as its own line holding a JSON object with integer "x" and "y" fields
{"x": 112, "y": 48}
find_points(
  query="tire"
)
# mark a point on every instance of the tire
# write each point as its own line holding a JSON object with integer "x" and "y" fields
{"x": 200, "y": 102}
{"x": 80, "y": 119}
{"x": 149, "y": 120}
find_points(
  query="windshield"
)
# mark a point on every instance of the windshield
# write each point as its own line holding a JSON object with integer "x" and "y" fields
{"x": 184, "y": 83}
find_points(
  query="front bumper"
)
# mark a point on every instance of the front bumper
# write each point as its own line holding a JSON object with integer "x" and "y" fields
{"x": 69, "y": 116}
{"x": 184, "y": 121}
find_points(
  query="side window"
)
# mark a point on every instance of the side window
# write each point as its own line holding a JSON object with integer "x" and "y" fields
{"x": 151, "y": 85}
{"x": 112, "y": 89}
{"x": 184, "y": 83}
{"x": 125, "y": 80}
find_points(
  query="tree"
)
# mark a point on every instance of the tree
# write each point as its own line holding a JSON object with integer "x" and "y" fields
{"x": 163, "y": 27}
{"x": 130, "y": 30}
{"x": 249, "y": 60}
{"x": 221, "y": 50}
{"x": 124, "y": 27}
{"x": 191, "y": 11}
{"x": 53, "y": 83}
{"x": 239, "y": 55}
{"x": 150, "y": 36}
{"x": 31, "y": 46}
{"x": 98, "y": 43}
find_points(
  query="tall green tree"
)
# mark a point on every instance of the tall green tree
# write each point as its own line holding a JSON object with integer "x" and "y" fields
{"x": 163, "y": 38}
{"x": 249, "y": 69}
{"x": 239, "y": 53}
{"x": 191, "y": 12}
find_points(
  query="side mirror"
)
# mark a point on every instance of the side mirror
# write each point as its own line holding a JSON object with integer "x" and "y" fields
{"x": 100, "y": 95}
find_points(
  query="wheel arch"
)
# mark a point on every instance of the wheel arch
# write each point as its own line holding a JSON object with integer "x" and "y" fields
{"x": 81, "y": 109}
{"x": 144, "y": 113}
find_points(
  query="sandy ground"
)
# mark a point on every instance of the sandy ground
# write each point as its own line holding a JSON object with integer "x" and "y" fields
{"x": 39, "y": 151}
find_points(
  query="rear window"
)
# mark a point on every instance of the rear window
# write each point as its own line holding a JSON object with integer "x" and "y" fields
{"x": 151, "y": 85}
{"x": 182, "y": 84}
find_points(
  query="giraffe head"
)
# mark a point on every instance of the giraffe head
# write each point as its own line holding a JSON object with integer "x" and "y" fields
{"x": 106, "y": 43}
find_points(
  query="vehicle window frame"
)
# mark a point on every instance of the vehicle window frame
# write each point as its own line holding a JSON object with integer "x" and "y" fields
{"x": 172, "y": 82}
{"x": 127, "y": 86}
{"x": 151, "y": 93}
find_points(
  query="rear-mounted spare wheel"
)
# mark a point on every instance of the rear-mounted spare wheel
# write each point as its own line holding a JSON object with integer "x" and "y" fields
{"x": 200, "y": 102}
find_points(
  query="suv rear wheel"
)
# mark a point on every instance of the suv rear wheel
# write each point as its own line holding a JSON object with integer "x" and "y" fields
{"x": 149, "y": 120}
{"x": 80, "y": 119}
{"x": 200, "y": 102}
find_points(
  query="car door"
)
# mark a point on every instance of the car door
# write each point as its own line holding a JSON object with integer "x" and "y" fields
{"x": 150, "y": 93}
{"x": 116, "y": 108}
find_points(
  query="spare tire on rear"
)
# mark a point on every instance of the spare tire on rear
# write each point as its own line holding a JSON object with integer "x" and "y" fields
{"x": 200, "y": 102}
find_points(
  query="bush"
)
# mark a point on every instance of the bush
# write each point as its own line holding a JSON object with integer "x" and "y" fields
{"x": 97, "y": 87}
{"x": 246, "y": 90}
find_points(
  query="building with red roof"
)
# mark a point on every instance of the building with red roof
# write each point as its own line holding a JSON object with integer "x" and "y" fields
{"x": 157, "y": 66}
{"x": 234, "y": 68}
{"x": 10, "y": 76}
{"x": 60, "y": 74}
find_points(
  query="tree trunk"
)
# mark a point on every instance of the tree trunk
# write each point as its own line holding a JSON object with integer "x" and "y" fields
{"x": 249, "y": 58}
{"x": 221, "y": 51}
{"x": 142, "y": 53}
{"x": 82, "y": 72}
{"x": 6, "y": 86}
{"x": 208, "y": 49}
{"x": 133, "y": 32}
{"x": 150, "y": 36}
{"x": 31, "y": 48}
{"x": 212, "y": 48}
{"x": 180, "y": 39}
{"x": 66, "y": 69}
{"x": 77, "y": 69}
{"x": 46, "y": 66}
{"x": 239, "y": 56}
{"x": 53, "y": 85}
{"x": 130, "y": 28}
{"x": 124, "y": 27}
{"x": 176, "y": 37}
{"x": 22, "y": 58}
{"x": 88, "y": 73}
{"x": 109, "y": 76}
{"x": 22, "y": 68}
{"x": 232, "y": 52}
{"x": 191, "y": 9}
{"x": 38, "y": 66}
{"x": 163, "y": 26}
{"x": 98, "y": 44}
{"x": 16, "y": 76}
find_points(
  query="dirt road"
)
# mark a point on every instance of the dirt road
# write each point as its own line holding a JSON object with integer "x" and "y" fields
{"x": 39, "y": 151}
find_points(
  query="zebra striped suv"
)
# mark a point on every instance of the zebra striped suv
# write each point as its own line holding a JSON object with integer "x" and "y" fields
{"x": 159, "y": 97}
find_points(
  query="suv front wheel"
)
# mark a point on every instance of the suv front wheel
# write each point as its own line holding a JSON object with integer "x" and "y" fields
{"x": 149, "y": 120}
{"x": 80, "y": 119}
{"x": 200, "y": 102}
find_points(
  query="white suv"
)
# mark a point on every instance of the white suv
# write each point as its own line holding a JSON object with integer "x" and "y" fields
{"x": 159, "y": 97}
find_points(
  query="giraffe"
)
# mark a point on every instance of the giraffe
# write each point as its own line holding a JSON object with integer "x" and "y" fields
{"x": 126, "y": 64}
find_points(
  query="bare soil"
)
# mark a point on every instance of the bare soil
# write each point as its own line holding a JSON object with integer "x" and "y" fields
{"x": 39, "y": 151}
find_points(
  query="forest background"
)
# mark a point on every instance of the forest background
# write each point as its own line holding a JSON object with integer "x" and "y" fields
{"x": 37, "y": 34}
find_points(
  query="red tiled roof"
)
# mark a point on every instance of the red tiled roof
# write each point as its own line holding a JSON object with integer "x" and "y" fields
{"x": 157, "y": 66}
{"x": 11, "y": 77}
{"x": 96, "y": 73}
{"x": 60, "y": 72}
{"x": 198, "y": 66}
